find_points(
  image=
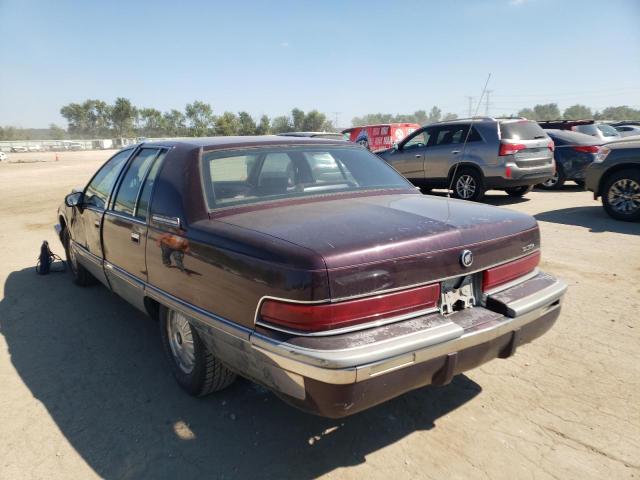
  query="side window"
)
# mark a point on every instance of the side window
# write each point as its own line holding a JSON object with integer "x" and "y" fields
{"x": 277, "y": 168}
{"x": 132, "y": 181}
{"x": 142, "y": 211}
{"x": 456, "y": 134}
{"x": 98, "y": 190}
{"x": 417, "y": 141}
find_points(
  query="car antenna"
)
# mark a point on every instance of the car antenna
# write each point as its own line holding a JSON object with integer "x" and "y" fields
{"x": 466, "y": 138}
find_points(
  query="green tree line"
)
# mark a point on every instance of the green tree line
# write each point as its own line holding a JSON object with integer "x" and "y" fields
{"x": 550, "y": 111}
{"x": 420, "y": 117}
{"x": 97, "y": 119}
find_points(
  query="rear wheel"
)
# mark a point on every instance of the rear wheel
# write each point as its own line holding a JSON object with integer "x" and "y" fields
{"x": 518, "y": 191}
{"x": 621, "y": 195}
{"x": 79, "y": 274}
{"x": 467, "y": 185}
{"x": 554, "y": 183}
{"x": 194, "y": 367}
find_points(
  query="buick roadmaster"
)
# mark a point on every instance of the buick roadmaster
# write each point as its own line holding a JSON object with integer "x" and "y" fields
{"x": 309, "y": 266}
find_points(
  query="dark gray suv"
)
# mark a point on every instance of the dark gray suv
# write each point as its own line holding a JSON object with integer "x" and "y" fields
{"x": 509, "y": 154}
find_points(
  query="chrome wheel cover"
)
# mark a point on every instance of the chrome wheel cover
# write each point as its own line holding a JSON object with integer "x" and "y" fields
{"x": 624, "y": 196}
{"x": 181, "y": 341}
{"x": 551, "y": 182}
{"x": 466, "y": 186}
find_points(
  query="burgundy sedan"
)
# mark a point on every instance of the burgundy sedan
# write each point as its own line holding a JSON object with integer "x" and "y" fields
{"x": 309, "y": 266}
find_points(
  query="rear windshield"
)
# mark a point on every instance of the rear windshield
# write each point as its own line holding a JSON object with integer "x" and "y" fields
{"x": 522, "y": 130}
{"x": 607, "y": 130}
{"x": 263, "y": 174}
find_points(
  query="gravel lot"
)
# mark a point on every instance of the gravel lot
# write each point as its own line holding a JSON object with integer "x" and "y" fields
{"x": 84, "y": 392}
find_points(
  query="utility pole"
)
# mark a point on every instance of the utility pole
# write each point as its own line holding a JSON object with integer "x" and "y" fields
{"x": 487, "y": 103}
{"x": 471, "y": 99}
{"x": 335, "y": 114}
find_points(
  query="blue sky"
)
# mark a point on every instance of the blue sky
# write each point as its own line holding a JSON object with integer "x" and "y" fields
{"x": 348, "y": 57}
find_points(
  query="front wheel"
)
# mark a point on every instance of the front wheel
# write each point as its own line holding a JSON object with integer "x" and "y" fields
{"x": 518, "y": 191}
{"x": 467, "y": 185}
{"x": 554, "y": 183}
{"x": 194, "y": 367}
{"x": 621, "y": 195}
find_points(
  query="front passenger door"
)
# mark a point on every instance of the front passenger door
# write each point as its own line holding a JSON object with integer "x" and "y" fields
{"x": 86, "y": 220}
{"x": 124, "y": 233}
{"x": 408, "y": 159}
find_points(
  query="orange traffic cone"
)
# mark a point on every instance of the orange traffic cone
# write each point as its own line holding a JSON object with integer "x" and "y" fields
{"x": 57, "y": 157}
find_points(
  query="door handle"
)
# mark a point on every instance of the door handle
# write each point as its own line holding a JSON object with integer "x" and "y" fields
{"x": 96, "y": 223}
{"x": 455, "y": 152}
{"x": 135, "y": 237}
{"x": 418, "y": 155}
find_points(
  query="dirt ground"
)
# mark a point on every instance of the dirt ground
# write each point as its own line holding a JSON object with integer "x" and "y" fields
{"x": 84, "y": 392}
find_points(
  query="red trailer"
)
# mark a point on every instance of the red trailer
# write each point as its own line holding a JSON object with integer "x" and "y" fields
{"x": 379, "y": 137}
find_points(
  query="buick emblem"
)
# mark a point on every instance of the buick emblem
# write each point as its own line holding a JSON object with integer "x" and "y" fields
{"x": 466, "y": 258}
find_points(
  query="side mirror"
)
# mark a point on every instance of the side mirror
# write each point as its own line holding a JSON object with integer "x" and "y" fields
{"x": 73, "y": 199}
{"x": 396, "y": 147}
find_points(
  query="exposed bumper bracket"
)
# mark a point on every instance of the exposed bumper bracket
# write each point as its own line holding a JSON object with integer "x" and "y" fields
{"x": 445, "y": 374}
{"x": 510, "y": 349}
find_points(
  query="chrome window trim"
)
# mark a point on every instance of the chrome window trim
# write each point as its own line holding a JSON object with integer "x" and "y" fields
{"x": 125, "y": 217}
{"x": 164, "y": 220}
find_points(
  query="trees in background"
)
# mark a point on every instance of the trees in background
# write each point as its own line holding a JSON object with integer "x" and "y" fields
{"x": 95, "y": 118}
{"x": 419, "y": 116}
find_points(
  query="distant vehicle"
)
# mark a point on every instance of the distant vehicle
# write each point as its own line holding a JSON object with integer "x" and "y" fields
{"x": 602, "y": 131}
{"x": 3, "y": 156}
{"x": 74, "y": 146}
{"x": 573, "y": 153}
{"x": 34, "y": 148}
{"x": 19, "y": 149}
{"x": 615, "y": 176}
{"x": 102, "y": 144}
{"x": 508, "y": 154}
{"x": 379, "y": 137}
{"x": 329, "y": 135}
{"x": 628, "y": 130}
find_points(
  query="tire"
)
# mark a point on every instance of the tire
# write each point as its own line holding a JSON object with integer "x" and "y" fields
{"x": 79, "y": 274}
{"x": 554, "y": 183}
{"x": 621, "y": 195}
{"x": 468, "y": 185}
{"x": 517, "y": 192}
{"x": 194, "y": 367}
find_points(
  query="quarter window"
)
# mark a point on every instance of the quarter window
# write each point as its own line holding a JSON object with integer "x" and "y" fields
{"x": 132, "y": 181}
{"x": 98, "y": 190}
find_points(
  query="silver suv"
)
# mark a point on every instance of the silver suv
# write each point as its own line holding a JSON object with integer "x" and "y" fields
{"x": 509, "y": 154}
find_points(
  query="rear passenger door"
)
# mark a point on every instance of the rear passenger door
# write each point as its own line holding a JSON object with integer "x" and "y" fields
{"x": 446, "y": 149}
{"x": 125, "y": 226}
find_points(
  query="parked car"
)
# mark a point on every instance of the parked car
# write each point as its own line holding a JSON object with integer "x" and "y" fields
{"x": 330, "y": 135}
{"x": 18, "y": 149}
{"x": 615, "y": 176}
{"x": 3, "y": 156}
{"x": 508, "y": 154}
{"x": 381, "y": 136}
{"x": 74, "y": 146}
{"x": 34, "y": 148}
{"x": 573, "y": 153}
{"x": 336, "y": 294}
{"x": 602, "y": 131}
{"x": 627, "y": 130}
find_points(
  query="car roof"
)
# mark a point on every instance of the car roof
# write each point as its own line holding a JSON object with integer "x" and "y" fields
{"x": 213, "y": 143}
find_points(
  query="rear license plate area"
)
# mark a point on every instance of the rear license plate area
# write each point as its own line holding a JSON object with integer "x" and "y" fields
{"x": 459, "y": 293}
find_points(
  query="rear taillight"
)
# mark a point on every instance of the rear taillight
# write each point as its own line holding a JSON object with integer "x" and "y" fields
{"x": 496, "y": 276}
{"x": 551, "y": 146}
{"x": 587, "y": 148}
{"x": 326, "y": 316}
{"x": 510, "y": 148}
